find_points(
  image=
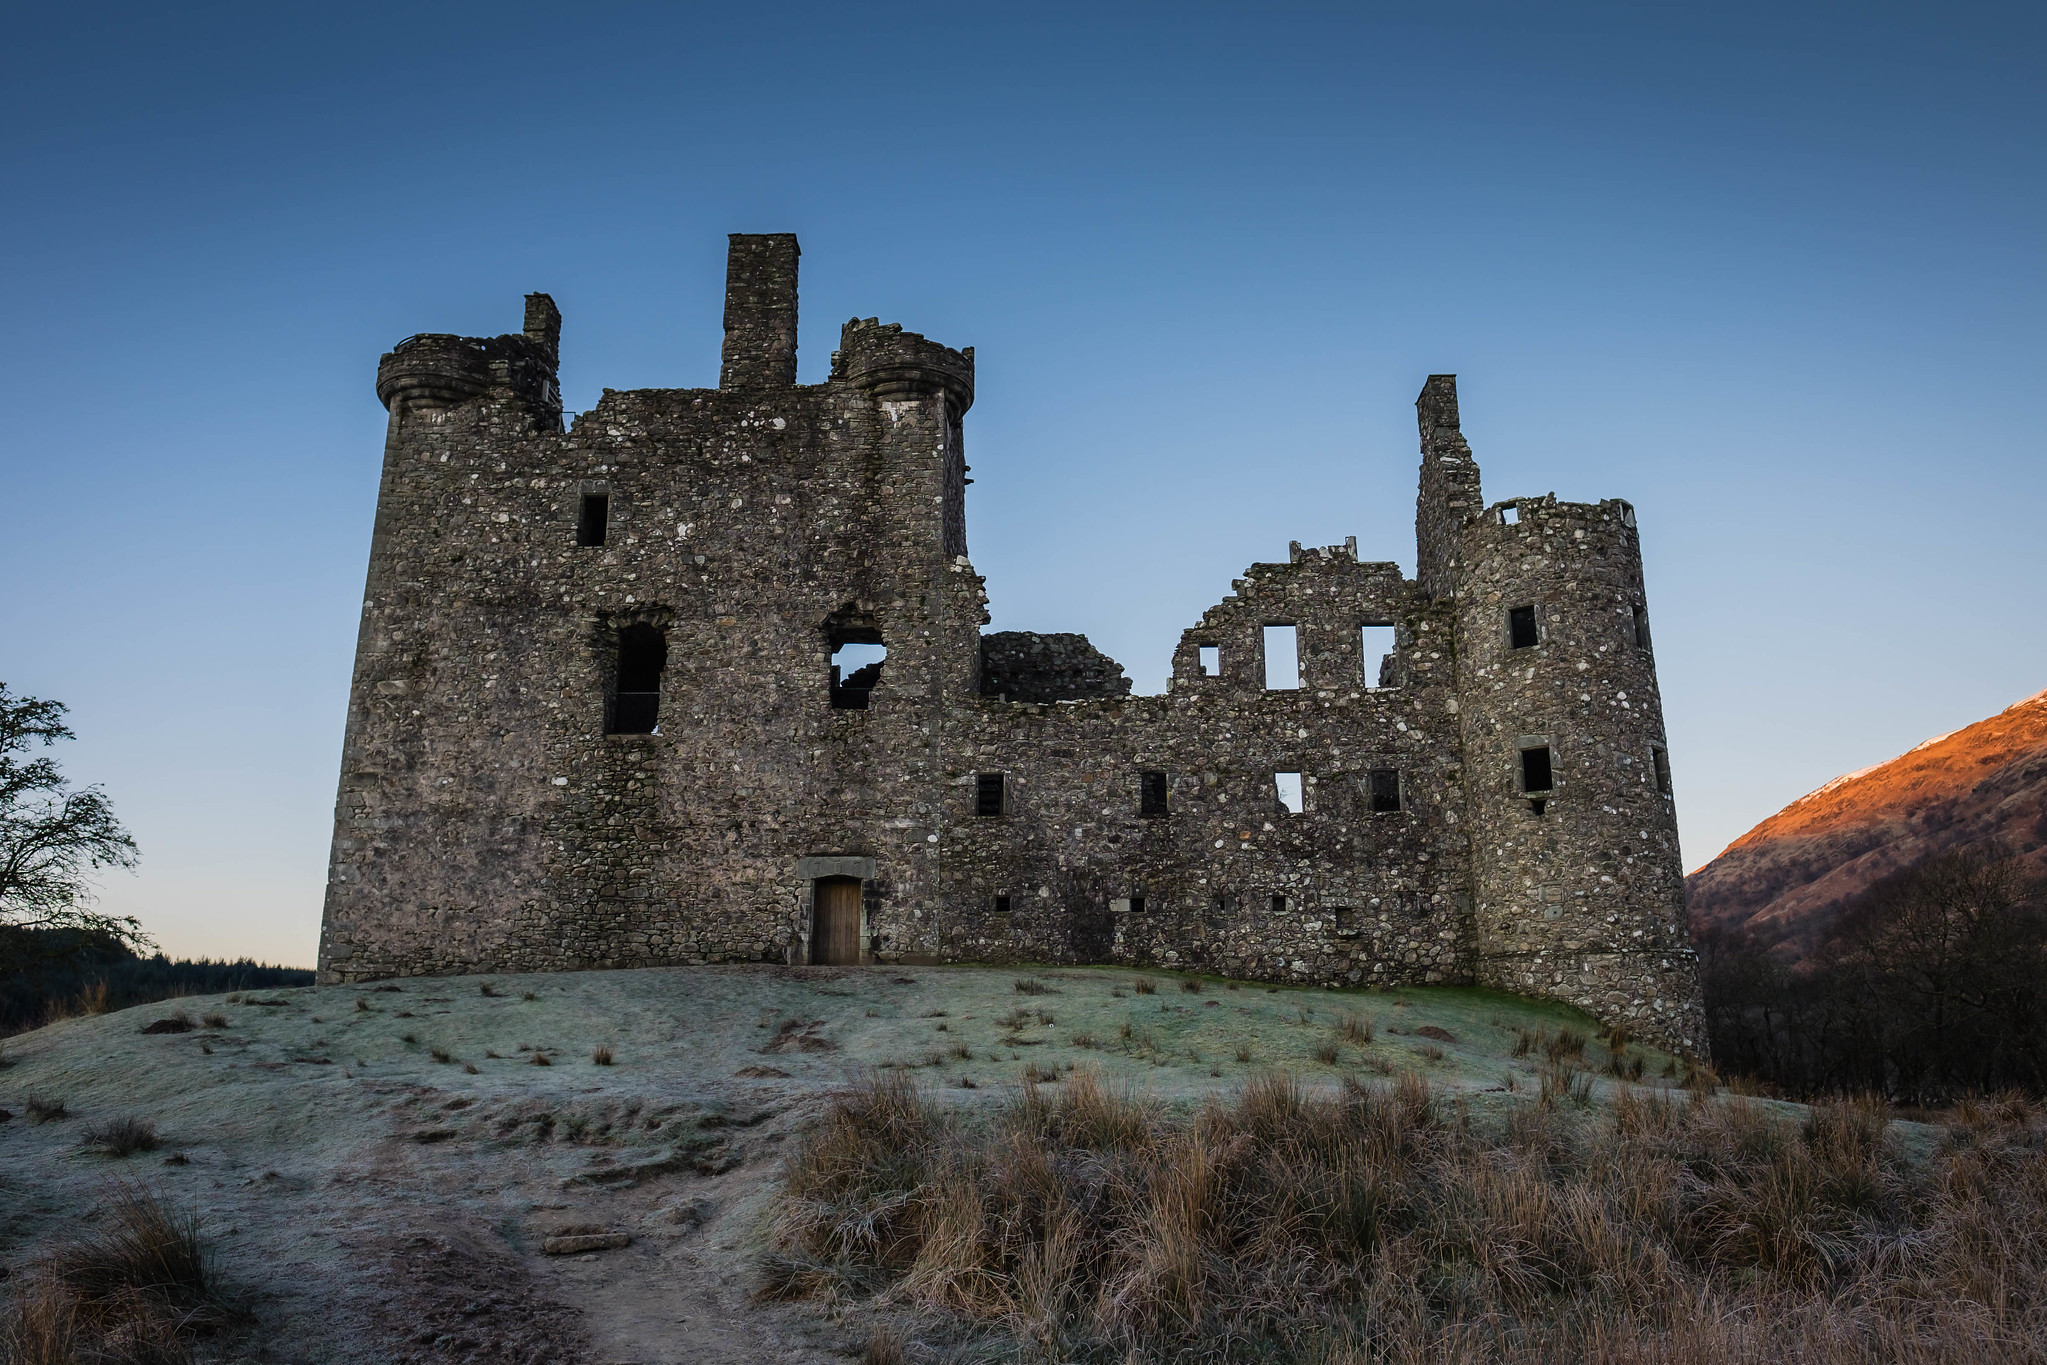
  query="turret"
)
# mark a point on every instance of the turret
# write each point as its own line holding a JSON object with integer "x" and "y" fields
{"x": 1578, "y": 889}
{"x": 890, "y": 363}
{"x": 435, "y": 371}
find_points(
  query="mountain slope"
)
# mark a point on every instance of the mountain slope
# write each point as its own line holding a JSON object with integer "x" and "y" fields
{"x": 1785, "y": 879}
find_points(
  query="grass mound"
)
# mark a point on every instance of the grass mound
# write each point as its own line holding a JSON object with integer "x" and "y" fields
{"x": 1382, "y": 1224}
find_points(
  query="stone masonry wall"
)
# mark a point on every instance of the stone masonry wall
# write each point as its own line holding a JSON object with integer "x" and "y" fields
{"x": 489, "y": 819}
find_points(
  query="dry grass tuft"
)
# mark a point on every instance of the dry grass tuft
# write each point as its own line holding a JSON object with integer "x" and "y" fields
{"x": 134, "y": 1292}
{"x": 1191, "y": 984}
{"x": 485, "y": 988}
{"x": 1327, "y": 1053}
{"x": 1355, "y": 1029}
{"x": 540, "y": 1059}
{"x": 601, "y": 1056}
{"x": 1030, "y": 985}
{"x": 215, "y": 1020}
{"x": 41, "y": 1109}
{"x": 440, "y": 1054}
{"x": 1375, "y": 1225}
{"x": 122, "y": 1137}
{"x": 1144, "y": 985}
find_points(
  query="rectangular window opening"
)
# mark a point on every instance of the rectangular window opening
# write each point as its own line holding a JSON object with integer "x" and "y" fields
{"x": 1002, "y": 905}
{"x": 1376, "y": 647}
{"x": 1137, "y": 905}
{"x": 1151, "y": 794}
{"x": 1641, "y": 615}
{"x": 1211, "y": 661}
{"x": 1287, "y": 787}
{"x": 592, "y": 519}
{"x": 636, "y": 686}
{"x": 1346, "y": 921}
{"x": 1282, "y": 658}
{"x": 988, "y": 794}
{"x": 1280, "y": 904}
{"x": 1535, "y": 770}
{"x": 1510, "y": 515}
{"x": 1385, "y": 785}
{"x": 1660, "y": 757}
{"x": 1522, "y": 632}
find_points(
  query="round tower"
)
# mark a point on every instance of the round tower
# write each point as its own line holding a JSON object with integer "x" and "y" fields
{"x": 1577, "y": 882}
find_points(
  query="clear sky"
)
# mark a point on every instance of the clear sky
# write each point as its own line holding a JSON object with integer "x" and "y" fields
{"x": 1774, "y": 273}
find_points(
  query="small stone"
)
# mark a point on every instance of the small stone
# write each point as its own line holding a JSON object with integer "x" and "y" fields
{"x": 582, "y": 1242}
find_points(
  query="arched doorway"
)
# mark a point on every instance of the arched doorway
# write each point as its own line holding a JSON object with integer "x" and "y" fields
{"x": 835, "y": 929}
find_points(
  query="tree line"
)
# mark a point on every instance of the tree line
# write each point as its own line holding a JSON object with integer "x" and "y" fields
{"x": 1930, "y": 986}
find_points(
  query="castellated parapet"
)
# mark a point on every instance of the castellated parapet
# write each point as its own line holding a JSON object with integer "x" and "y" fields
{"x": 621, "y": 699}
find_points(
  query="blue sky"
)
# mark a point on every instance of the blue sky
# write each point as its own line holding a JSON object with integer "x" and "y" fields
{"x": 1772, "y": 273}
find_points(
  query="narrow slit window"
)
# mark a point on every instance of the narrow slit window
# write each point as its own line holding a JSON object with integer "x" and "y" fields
{"x": 1151, "y": 794}
{"x": 1522, "y": 632}
{"x": 988, "y": 794}
{"x": 1535, "y": 770}
{"x": 636, "y": 697}
{"x": 1376, "y": 648}
{"x": 1641, "y": 617}
{"x": 1287, "y": 787}
{"x": 1211, "y": 661}
{"x": 1282, "y": 658}
{"x": 593, "y": 518}
{"x": 1385, "y": 784}
{"x": 1660, "y": 758}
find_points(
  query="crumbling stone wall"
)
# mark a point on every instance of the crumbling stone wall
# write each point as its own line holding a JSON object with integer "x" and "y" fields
{"x": 1021, "y": 665}
{"x": 492, "y": 816}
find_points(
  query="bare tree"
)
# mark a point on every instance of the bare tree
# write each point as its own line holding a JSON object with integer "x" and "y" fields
{"x": 52, "y": 838}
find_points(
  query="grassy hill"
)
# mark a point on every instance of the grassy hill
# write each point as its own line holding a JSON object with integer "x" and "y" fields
{"x": 381, "y": 1172}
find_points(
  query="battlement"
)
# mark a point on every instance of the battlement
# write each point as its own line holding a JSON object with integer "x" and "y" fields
{"x": 889, "y": 362}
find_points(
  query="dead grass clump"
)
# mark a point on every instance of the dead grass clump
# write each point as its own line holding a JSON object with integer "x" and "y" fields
{"x": 1327, "y": 1054}
{"x": 1030, "y": 985}
{"x": 440, "y": 1054}
{"x": 601, "y": 1056}
{"x": 1374, "y": 1225}
{"x": 1355, "y": 1029}
{"x": 41, "y": 1109}
{"x": 486, "y": 989}
{"x": 135, "y": 1292}
{"x": 122, "y": 1137}
{"x": 1144, "y": 985}
{"x": 1191, "y": 984}
{"x": 540, "y": 1059}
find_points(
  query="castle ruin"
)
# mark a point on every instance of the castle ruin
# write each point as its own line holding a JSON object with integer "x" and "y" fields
{"x": 701, "y": 678}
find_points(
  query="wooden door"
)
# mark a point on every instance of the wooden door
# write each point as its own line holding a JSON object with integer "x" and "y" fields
{"x": 835, "y": 938}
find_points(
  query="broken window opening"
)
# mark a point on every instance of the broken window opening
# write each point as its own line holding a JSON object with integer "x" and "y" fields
{"x": 1280, "y": 903}
{"x": 593, "y": 518}
{"x": 1510, "y": 515}
{"x": 1282, "y": 658}
{"x": 1211, "y": 661}
{"x": 1660, "y": 758}
{"x": 1535, "y": 770}
{"x": 1641, "y": 616}
{"x": 1287, "y": 786}
{"x": 1522, "y": 632}
{"x": 1385, "y": 790}
{"x": 857, "y": 656}
{"x": 1376, "y": 648}
{"x": 636, "y": 695}
{"x": 1002, "y": 905}
{"x": 1151, "y": 794}
{"x": 988, "y": 794}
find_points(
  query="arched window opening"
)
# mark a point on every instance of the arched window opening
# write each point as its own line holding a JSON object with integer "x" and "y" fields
{"x": 636, "y": 699}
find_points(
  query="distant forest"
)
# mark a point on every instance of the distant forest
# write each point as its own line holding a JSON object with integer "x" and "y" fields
{"x": 1929, "y": 987}
{"x": 47, "y": 975}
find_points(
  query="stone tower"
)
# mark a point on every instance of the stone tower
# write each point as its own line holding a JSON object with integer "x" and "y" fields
{"x": 701, "y": 678}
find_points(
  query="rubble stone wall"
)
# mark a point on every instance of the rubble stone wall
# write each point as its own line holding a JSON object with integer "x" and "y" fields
{"x": 490, "y": 819}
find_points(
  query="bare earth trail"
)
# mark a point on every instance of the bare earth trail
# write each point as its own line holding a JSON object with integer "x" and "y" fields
{"x": 369, "y": 1202}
